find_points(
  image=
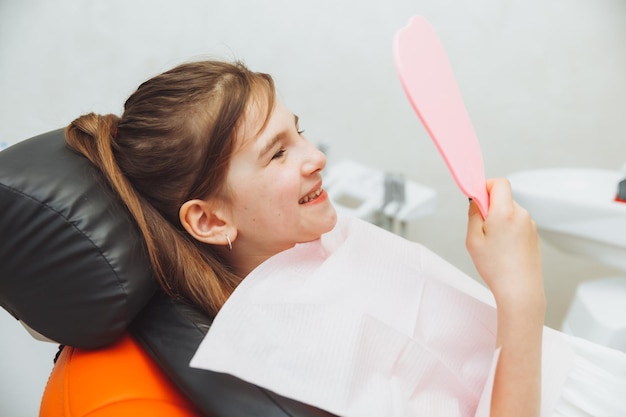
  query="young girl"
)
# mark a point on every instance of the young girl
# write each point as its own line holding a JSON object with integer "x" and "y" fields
{"x": 219, "y": 178}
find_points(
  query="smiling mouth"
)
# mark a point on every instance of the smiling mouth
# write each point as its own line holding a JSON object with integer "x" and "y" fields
{"x": 311, "y": 196}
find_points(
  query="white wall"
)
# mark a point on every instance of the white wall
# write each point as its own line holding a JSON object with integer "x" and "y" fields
{"x": 543, "y": 82}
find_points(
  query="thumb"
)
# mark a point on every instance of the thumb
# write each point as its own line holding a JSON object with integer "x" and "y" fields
{"x": 475, "y": 221}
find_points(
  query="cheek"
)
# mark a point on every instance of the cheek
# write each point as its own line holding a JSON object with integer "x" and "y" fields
{"x": 287, "y": 192}
{"x": 258, "y": 198}
{"x": 264, "y": 196}
{"x": 278, "y": 199}
{"x": 242, "y": 201}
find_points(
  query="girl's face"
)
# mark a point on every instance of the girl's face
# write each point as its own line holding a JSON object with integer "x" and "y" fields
{"x": 276, "y": 197}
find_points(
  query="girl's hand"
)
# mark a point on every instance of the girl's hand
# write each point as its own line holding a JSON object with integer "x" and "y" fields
{"x": 505, "y": 248}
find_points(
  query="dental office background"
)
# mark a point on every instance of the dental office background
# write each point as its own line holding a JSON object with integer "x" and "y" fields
{"x": 544, "y": 82}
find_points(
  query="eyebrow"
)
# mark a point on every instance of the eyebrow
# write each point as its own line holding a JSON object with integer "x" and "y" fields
{"x": 269, "y": 145}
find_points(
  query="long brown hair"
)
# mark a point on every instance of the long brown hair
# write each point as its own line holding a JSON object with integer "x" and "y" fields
{"x": 173, "y": 143}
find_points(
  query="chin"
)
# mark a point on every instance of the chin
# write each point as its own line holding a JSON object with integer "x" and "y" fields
{"x": 332, "y": 220}
{"x": 322, "y": 228}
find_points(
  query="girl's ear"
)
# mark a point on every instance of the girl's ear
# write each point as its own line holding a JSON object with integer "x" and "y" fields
{"x": 206, "y": 221}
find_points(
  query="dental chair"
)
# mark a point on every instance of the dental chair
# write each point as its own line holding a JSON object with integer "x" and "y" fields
{"x": 73, "y": 270}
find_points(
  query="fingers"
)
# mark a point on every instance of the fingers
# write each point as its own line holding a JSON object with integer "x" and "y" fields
{"x": 500, "y": 198}
{"x": 500, "y": 194}
{"x": 475, "y": 222}
{"x": 502, "y": 209}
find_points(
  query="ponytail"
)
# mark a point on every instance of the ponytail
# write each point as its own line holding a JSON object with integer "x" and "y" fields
{"x": 183, "y": 269}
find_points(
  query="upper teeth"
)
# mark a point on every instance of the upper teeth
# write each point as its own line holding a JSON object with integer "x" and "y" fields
{"x": 311, "y": 196}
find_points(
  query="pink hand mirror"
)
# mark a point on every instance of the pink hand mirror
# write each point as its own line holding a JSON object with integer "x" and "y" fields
{"x": 429, "y": 83}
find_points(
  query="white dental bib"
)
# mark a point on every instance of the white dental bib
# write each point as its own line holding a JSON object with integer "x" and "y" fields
{"x": 364, "y": 323}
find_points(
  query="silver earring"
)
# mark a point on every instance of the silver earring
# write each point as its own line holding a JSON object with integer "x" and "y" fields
{"x": 230, "y": 244}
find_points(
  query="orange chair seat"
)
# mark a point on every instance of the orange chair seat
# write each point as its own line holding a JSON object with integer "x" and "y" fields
{"x": 120, "y": 380}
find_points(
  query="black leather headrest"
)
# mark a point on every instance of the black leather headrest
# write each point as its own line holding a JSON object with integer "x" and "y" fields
{"x": 72, "y": 264}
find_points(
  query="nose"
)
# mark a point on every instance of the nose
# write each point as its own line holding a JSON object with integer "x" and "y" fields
{"x": 314, "y": 161}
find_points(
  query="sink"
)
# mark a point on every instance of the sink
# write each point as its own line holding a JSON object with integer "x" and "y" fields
{"x": 575, "y": 210}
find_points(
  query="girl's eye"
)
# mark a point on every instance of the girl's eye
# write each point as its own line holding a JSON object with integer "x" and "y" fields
{"x": 300, "y": 131}
{"x": 279, "y": 154}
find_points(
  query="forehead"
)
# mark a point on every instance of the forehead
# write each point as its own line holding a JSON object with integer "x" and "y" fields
{"x": 260, "y": 123}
